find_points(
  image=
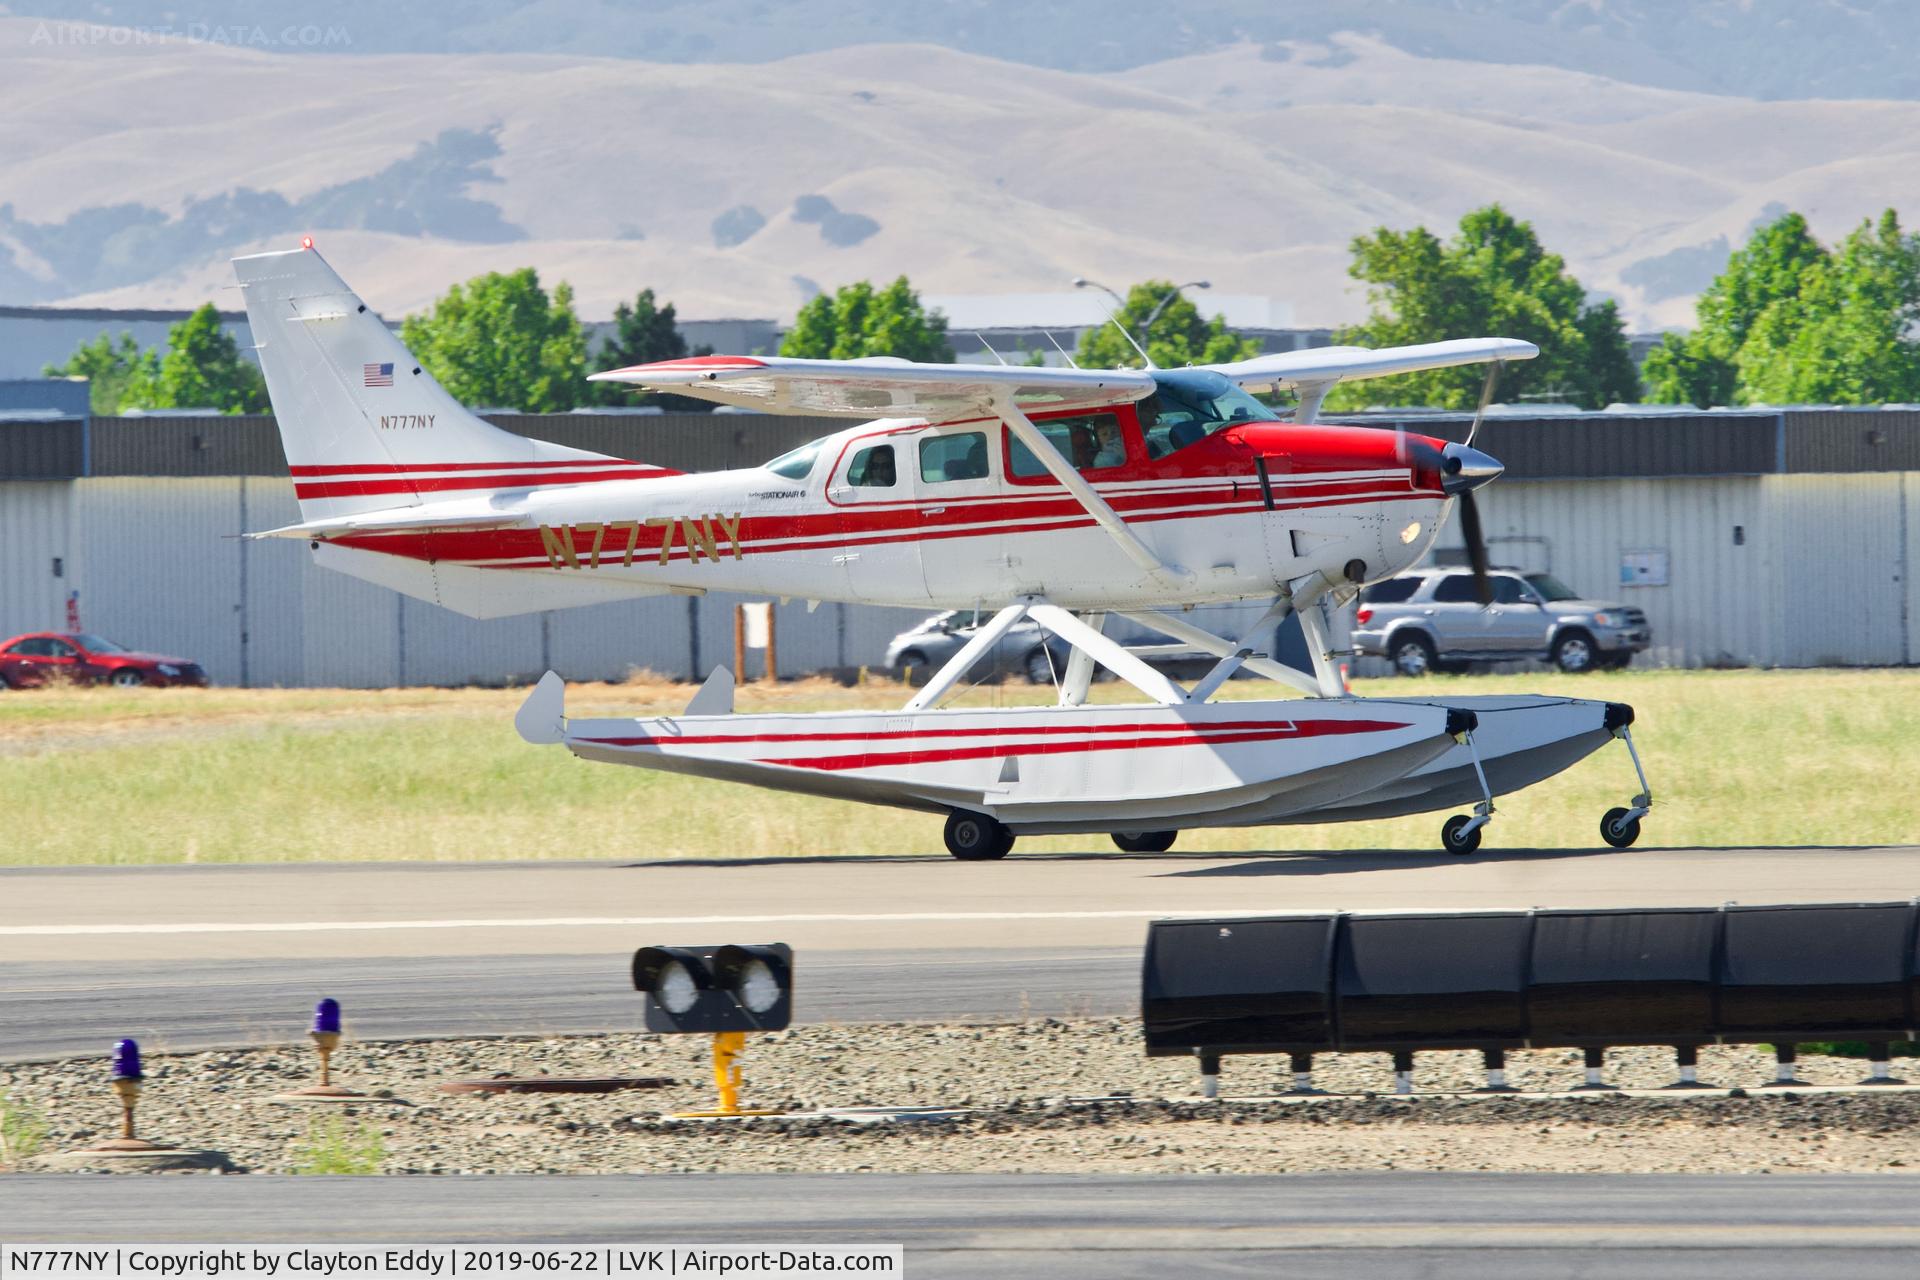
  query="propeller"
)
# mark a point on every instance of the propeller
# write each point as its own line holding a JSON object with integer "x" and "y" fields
{"x": 1462, "y": 469}
{"x": 1469, "y": 508}
{"x": 1476, "y": 546}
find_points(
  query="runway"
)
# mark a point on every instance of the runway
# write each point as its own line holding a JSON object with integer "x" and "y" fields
{"x": 191, "y": 957}
{"x": 1356, "y": 1227}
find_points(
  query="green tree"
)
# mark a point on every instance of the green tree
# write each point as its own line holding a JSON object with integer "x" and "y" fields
{"x": 1848, "y": 335}
{"x": 499, "y": 340}
{"x": 1790, "y": 321}
{"x": 859, "y": 320}
{"x": 644, "y": 333}
{"x": 1493, "y": 279}
{"x": 1178, "y": 336}
{"x": 203, "y": 369}
{"x": 1703, "y": 367}
{"x": 106, "y": 366}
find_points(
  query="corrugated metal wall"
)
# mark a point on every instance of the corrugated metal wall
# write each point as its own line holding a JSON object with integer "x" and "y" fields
{"x": 36, "y": 527}
{"x": 48, "y": 450}
{"x": 1841, "y": 582}
{"x": 1804, "y": 570}
{"x": 1719, "y": 605}
{"x": 249, "y": 445}
{"x": 1870, "y": 439}
{"x": 1607, "y": 445}
{"x": 1820, "y": 571}
{"x": 159, "y": 566}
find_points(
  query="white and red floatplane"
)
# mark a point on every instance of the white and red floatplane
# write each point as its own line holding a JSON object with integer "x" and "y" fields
{"x": 1063, "y": 496}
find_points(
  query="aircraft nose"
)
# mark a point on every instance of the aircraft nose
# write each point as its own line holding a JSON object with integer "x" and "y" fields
{"x": 1464, "y": 468}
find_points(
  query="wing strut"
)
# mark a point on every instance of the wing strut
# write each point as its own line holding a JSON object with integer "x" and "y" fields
{"x": 1076, "y": 484}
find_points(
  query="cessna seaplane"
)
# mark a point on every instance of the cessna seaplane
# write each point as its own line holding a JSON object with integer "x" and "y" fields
{"x": 1063, "y": 495}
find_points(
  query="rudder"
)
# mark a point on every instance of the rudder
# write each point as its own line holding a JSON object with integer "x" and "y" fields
{"x": 363, "y": 426}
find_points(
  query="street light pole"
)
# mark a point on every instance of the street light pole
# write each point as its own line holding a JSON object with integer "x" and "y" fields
{"x": 1119, "y": 305}
{"x": 1168, "y": 301}
{"x": 1081, "y": 282}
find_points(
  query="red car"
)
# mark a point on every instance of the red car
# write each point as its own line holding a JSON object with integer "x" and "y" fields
{"x": 30, "y": 660}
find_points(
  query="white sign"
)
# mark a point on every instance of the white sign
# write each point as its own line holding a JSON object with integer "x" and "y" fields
{"x": 759, "y": 620}
{"x": 1643, "y": 568}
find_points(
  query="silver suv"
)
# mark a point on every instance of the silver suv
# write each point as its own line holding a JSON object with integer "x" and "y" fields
{"x": 1432, "y": 620}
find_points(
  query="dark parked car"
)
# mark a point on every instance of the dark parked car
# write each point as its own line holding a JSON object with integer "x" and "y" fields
{"x": 40, "y": 656}
{"x": 1432, "y": 619}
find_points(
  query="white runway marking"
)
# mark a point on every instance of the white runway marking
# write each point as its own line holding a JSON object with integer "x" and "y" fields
{"x": 570, "y": 922}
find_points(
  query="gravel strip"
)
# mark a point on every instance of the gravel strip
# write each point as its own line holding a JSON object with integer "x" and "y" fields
{"x": 1018, "y": 1077}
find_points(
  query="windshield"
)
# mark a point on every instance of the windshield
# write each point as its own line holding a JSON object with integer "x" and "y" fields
{"x": 798, "y": 463}
{"x": 1191, "y": 404}
{"x": 94, "y": 644}
{"x": 1551, "y": 588}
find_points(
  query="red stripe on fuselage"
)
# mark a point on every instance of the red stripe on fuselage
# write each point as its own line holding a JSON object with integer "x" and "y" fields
{"x": 411, "y": 468}
{"x": 855, "y": 527}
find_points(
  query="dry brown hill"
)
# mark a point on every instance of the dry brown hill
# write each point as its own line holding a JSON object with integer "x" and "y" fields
{"x": 969, "y": 174}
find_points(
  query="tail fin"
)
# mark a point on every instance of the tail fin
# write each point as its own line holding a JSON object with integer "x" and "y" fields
{"x": 364, "y": 427}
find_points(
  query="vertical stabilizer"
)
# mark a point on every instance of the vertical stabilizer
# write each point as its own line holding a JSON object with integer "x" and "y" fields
{"x": 363, "y": 425}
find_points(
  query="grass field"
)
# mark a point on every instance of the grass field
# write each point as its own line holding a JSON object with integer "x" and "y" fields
{"x": 230, "y": 775}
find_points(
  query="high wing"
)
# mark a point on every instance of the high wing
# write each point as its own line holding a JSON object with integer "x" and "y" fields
{"x": 1324, "y": 366}
{"x": 881, "y": 386}
{"x": 1311, "y": 374}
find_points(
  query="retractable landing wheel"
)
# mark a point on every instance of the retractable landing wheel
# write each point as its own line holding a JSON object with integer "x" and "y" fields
{"x": 1145, "y": 841}
{"x": 1460, "y": 835}
{"x": 1619, "y": 828}
{"x": 974, "y": 837}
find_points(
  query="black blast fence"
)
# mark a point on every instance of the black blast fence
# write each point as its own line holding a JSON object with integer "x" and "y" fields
{"x": 1501, "y": 980}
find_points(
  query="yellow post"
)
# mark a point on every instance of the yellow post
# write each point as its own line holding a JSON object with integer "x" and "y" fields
{"x": 727, "y": 1048}
{"x": 129, "y": 1091}
{"x": 326, "y": 1042}
{"x": 726, "y": 1070}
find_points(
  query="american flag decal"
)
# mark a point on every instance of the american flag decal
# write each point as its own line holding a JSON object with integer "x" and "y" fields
{"x": 379, "y": 375}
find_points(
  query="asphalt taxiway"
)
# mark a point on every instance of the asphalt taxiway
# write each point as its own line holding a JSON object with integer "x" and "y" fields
{"x": 194, "y": 956}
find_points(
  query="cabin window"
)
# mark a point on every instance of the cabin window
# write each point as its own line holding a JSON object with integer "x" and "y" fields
{"x": 873, "y": 468}
{"x": 955, "y": 457}
{"x": 1090, "y": 441}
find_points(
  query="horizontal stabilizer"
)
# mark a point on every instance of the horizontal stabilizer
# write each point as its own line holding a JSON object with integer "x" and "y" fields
{"x": 392, "y": 520}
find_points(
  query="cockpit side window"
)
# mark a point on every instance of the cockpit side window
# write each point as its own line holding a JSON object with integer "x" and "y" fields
{"x": 873, "y": 468}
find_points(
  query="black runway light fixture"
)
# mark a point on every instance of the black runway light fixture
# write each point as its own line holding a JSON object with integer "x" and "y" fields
{"x": 1494, "y": 981}
{"x": 722, "y": 991}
